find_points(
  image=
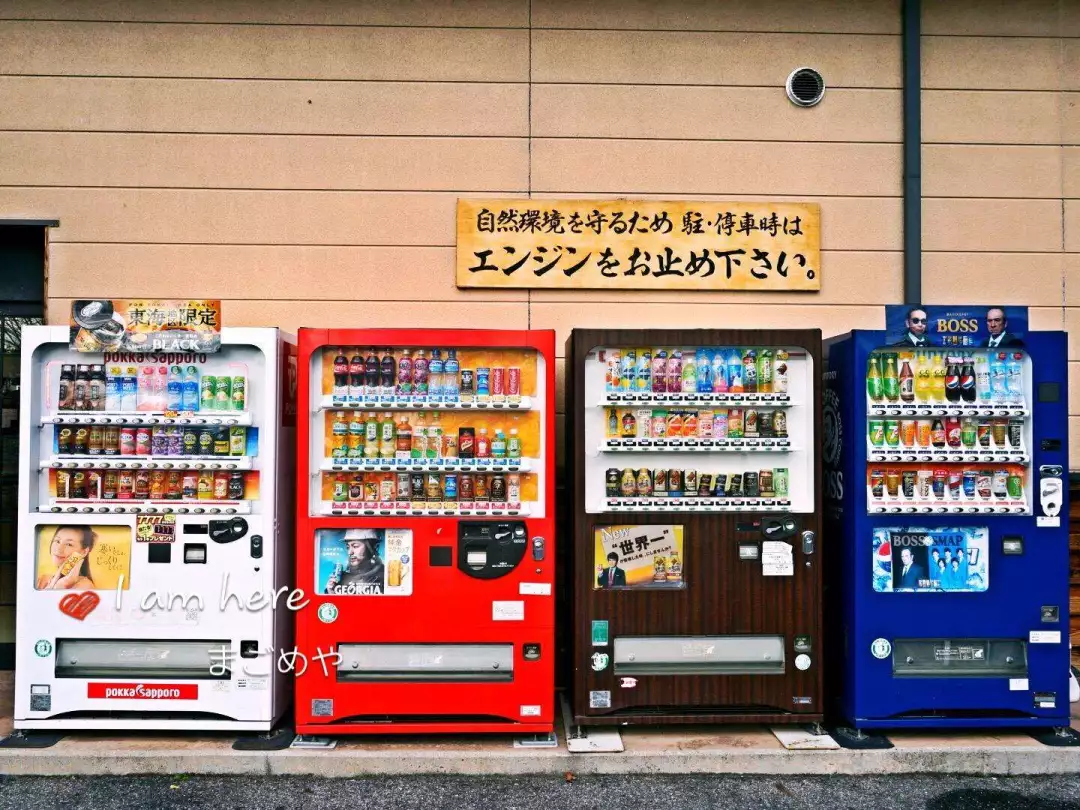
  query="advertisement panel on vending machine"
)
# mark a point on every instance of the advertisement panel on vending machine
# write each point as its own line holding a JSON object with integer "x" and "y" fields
{"x": 156, "y": 446}
{"x": 426, "y": 535}
{"x": 946, "y": 461}
{"x": 695, "y": 508}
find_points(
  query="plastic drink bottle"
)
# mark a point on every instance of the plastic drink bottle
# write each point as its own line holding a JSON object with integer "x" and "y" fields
{"x": 174, "y": 400}
{"x": 451, "y": 377}
{"x": 435, "y": 376}
{"x": 1014, "y": 378}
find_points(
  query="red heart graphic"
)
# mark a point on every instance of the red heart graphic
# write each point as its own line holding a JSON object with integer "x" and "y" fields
{"x": 79, "y": 605}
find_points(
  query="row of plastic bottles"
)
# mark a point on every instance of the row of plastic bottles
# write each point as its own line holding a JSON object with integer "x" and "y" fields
{"x": 997, "y": 378}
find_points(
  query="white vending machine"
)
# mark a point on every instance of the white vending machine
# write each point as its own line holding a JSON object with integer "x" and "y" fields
{"x": 154, "y": 547}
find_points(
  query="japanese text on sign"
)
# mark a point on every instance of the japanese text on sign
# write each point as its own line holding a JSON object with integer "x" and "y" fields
{"x": 644, "y": 244}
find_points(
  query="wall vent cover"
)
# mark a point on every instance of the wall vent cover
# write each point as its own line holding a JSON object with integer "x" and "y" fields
{"x": 805, "y": 87}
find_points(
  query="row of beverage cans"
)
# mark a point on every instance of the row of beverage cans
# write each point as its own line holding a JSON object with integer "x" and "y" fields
{"x": 155, "y": 485}
{"x": 144, "y": 440}
{"x": 723, "y": 423}
{"x": 148, "y": 388}
{"x": 955, "y": 432}
{"x": 428, "y": 488}
{"x": 697, "y": 371}
{"x": 645, "y": 483}
{"x": 954, "y": 484}
{"x": 413, "y": 376}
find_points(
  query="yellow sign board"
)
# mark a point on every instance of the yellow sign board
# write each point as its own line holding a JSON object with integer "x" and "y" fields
{"x": 638, "y": 245}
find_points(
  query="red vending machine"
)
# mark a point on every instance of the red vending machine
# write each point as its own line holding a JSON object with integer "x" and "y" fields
{"x": 426, "y": 531}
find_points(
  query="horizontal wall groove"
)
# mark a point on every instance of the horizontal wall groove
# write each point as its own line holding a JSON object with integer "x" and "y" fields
{"x": 257, "y": 79}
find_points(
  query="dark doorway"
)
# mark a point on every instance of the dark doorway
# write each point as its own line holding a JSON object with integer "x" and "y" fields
{"x": 22, "y": 301}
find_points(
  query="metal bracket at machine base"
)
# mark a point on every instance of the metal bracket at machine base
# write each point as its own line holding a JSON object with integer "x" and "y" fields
{"x": 858, "y": 740}
{"x": 311, "y": 742}
{"x": 588, "y": 741}
{"x": 32, "y": 739}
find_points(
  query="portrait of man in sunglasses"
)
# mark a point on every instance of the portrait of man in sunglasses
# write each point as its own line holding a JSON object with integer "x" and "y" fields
{"x": 915, "y": 328}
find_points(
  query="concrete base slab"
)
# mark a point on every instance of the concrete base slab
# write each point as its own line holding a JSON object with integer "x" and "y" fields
{"x": 664, "y": 750}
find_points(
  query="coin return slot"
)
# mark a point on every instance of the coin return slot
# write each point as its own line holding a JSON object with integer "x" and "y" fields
{"x": 195, "y": 553}
{"x": 476, "y": 559}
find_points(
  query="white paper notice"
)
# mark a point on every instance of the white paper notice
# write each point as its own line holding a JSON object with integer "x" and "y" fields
{"x": 1044, "y": 522}
{"x": 534, "y": 589}
{"x": 1044, "y": 637}
{"x": 508, "y": 611}
{"x": 1018, "y": 684}
{"x": 777, "y": 559}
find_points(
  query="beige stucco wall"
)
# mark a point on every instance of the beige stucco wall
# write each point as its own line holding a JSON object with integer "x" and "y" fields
{"x": 301, "y": 160}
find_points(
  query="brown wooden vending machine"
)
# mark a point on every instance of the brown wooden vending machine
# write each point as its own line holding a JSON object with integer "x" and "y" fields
{"x": 695, "y": 519}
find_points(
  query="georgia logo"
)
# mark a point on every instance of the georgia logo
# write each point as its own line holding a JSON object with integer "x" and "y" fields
{"x": 834, "y": 429}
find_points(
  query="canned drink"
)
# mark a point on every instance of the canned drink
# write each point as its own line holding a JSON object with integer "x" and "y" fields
{"x": 983, "y": 484}
{"x": 956, "y": 478}
{"x": 111, "y": 440}
{"x": 751, "y": 485}
{"x": 908, "y": 483}
{"x": 432, "y": 487}
{"x": 191, "y": 441}
{"x": 877, "y": 484}
{"x": 143, "y": 441}
{"x": 941, "y": 477}
{"x": 416, "y": 486}
{"x": 660, "y": 482}
{"x": 206, "y": 441}
{"x": 498, "y": 488}
{"x": 644, "y": 483}
{"x": 483, "y": 384}
{"x": 1000, "y": 484}
{"x": 926, "y": 478}
{"x": 720, "y": 488}
{"x": 765, "y": 484}
{"x": 628, "y": 483}
{"x": 1015, "y": 485}
{"x": 969, "y": 484}
{"x": 922, "y": 434}
{"x": 735, "y": 423}
{"x": 734, "y": 486}
{"x": 780, "y": 372}
{"x": 223, "y": 394}
{"x": 450, "y": 487}
{"x": 705, "y": 485}
{"x": 675, "y": 482}
{"x": 998, "y": 429}
{"x": 659, "y": 424}
{"x": 892, "y": 432}
{"x": 766, "y": 424}
{"x": 907, "y": 432}
{"x": 175, "y": 438}
{"x": 127, "y": 441}
{"x": 780, "y": 482}
{"x": 482, "y": 489}
{"x": 207, "y": 392}
{"x": 780, "y": 424}
{"x": 498, "y": 385}
{"x": 765, "y": 371}
{"x": 982, "y": 433}
{"x": 467, "y": 490}
{"x": 468, "y": 385}
{"x": 386, "y": 489}
{"x": 1016, "y": 430}
{"x": 750, "y": 424}
{"x": 239, "y": 393}
{"x": 721, "y": 422}
{"x": 611, "y": 482}
{"x": 952, "y": 431}
{"x": 690, "y": 481}
{"x": 876, "y": 429}
{"x": 513, "y": 384}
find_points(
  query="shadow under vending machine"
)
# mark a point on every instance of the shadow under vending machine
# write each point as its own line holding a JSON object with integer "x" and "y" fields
{"x": 694, "y": 484}
{"x": 155, "y": 499}
{"x": 947, "y": 494}
{"x": 426, "y": 539}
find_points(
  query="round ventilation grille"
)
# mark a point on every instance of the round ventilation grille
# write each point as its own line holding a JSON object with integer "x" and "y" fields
{"x": 805, "y": 87}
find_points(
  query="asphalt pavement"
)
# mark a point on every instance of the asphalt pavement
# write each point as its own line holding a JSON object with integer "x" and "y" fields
{"x": 546, "y": 792}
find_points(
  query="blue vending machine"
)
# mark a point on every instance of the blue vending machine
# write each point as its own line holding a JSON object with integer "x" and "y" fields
{"x": 947, "y": 517}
